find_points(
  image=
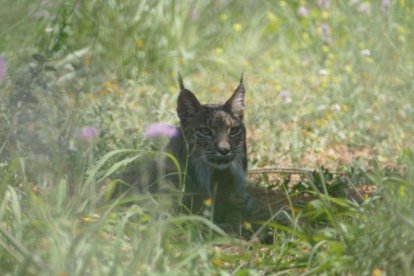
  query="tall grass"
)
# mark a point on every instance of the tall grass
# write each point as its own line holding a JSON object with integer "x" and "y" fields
{"x": 84, "y": 78}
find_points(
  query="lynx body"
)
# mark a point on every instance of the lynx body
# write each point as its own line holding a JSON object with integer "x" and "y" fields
{"x": 211, "y": 146}
{"x": 210, "y": 149}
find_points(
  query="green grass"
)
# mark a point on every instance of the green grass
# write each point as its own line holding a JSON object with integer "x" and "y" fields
{"x": 331, "y": 88}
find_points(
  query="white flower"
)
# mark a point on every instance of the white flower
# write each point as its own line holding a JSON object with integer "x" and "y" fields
{"x": 366, "y": 52}
{"x": 303, "y": 11}
{"x": 323, "y": 72}
{"x": 336, "y": 107}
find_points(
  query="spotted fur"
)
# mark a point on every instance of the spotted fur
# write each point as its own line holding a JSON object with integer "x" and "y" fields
{"x": 212, "y": 155}
{"x": 212, "y": 148}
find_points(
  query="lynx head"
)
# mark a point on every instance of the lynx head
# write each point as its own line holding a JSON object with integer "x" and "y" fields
{"x": 215, "y": 133}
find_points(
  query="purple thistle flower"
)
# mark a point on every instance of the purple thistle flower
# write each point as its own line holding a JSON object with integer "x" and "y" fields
{"x": 89, "y": 133}
{"x": 326, "y": 33}
{"x": 326, "y": 30}
{"x": 386, "y": 4}
{"x": 324, "y": 3}
{"x": 365, "y": 8}
{"x": 161, "y": 129}
{"x": 3, "y": 68}
{"x": 195, "y": 14}
{"x": 303, "y": 11}
{"x": 284, "y": 94}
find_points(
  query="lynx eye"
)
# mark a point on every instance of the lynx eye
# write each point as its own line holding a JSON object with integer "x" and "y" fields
{"x": 205, "y": 131}
{"x": 235, "y": 131}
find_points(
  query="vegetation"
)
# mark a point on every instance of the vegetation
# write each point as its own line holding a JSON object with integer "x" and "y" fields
{"x": 329, "y": 83}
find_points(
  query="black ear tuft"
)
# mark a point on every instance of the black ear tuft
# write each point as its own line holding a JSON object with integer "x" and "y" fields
{"x": 236, "y": 102}
{"x": 180, "y": 81}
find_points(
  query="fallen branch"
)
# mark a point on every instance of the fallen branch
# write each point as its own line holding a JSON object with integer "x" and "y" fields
{"x": 280, "y": 170}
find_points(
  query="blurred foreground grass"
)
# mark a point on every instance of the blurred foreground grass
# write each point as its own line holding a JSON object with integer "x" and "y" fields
{"x": 328, "y": 83}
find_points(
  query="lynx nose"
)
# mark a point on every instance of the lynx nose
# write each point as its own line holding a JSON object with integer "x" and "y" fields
{"x": 223, "y": 147}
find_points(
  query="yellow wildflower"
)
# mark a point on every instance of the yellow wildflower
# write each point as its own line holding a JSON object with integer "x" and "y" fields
{"x": 369, "y": 60}
{"x": 208, "y": 202}
{"x": 325, "y": 49}
{"x": 247, "y": 225}
{"x": 237, "y": 27}
{"x": 271, "y": 17}
{"x": 277, "y": 86}
{"x": 295, "y": 210}
{"x": 109, "y": 85}
{"x": 402, "y": 191}
{"x": 324, "y": 81}
{"x": 217, "y": 262}
{"x": 86, "y": 219}
{"x": 327, "y": 116}
{"x": 140, "y": 43}
{"x": 376, "y": 272}
{"x": 348, "y": 68}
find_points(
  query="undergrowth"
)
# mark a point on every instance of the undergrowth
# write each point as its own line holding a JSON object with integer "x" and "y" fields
{"x": 328, "y": 88}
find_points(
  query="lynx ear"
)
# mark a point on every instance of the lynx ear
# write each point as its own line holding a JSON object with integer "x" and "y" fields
{"x": 236, "y": 102}
{"x": 187, "y": 103}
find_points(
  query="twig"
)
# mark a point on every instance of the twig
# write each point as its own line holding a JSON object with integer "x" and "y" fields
{"x": 5, "y": 142}
{"x": 280, "y": 170}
